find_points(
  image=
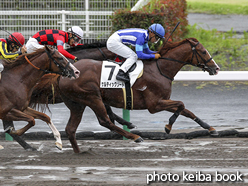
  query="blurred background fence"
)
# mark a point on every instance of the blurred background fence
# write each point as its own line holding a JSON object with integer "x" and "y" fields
{"x": 31, "y": 16}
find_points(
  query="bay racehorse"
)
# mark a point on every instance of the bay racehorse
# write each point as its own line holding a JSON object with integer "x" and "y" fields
{"x": 16, "y": 86}
{"x": 44, "y": 93}
{"x": 151, "y": 91}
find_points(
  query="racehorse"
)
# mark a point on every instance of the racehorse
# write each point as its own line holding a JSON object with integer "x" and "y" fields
{"x": 151, "y": 91}
{"x": 19, "y": 78}
{"x": 47, "y": 95}
{"x": 97, "y": 51}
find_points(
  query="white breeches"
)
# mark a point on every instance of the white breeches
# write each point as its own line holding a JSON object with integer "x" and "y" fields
{"x": 115, "y": 45}
{"x": 32, "y": 45}
{"x": 1, "y": 67}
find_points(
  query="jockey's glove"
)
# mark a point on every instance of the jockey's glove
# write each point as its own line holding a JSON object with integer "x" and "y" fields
{"x": 157, "y": 56}
{"x": 76, "y": 59}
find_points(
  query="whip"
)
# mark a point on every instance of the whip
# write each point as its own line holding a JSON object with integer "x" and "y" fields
{"x": 172, "y": 31}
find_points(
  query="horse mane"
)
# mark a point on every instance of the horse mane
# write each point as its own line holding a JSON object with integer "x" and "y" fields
{"x": 8, "y": 64}
{"x": 170, "y": 45}
{"x": 46, "y": 91}
{"x": 87, "y": 46}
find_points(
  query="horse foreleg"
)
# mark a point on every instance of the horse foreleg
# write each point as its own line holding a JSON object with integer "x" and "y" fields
{"x": 17, "y": 115}
{"x": 203, "y": 124}
{"x": 9, "y": 124}
{"x": 113, "y": 117}
{"x": 47, "y": 119}
{"x": 176, "y": 106}
{"x": 171, "y": 121}
{"x": 192, "y": 116}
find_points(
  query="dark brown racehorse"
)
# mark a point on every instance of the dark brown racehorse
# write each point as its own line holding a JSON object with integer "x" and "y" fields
{"x": 43, "y": 92}
{"x": 152, "y": 91}
{"x": 19, "y": 78}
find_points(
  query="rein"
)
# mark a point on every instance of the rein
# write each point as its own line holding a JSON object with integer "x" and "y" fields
{"x": 102, "y": 53}
{"x": 48, "y": 71}
{"x": 195, "y": 53}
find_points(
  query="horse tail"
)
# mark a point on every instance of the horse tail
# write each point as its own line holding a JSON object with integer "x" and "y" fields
{"x": 45, "y": 92}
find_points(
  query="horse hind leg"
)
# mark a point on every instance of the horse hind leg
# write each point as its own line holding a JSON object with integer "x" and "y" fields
{"x": 98, "y": 107}
{"x": 76, "y": 114}
{"x": 113, "y": 117}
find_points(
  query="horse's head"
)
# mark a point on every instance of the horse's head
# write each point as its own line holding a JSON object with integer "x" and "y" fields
{"x": 61, "y": 64}
{"x": 201, "y": 58}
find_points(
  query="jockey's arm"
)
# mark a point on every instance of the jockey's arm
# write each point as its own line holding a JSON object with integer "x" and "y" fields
{"x": 6, "y": 54}
{"x": 147, "y": 50}
{"x": 63, "y": 51}
{"x": 141, "y": 55}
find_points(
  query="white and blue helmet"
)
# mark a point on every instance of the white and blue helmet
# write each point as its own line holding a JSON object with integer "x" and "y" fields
{"x": 158, "y": 30}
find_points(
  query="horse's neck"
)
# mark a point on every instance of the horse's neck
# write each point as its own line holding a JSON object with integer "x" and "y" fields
{"x": 176, "y": 56}
{"x": 94, "y": 53}
{"x": 28, "y": 74}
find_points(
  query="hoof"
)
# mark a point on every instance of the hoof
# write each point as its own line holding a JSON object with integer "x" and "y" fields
{"x": 31, "y": 149}
{"x": 58, "y": 145}
{"x": 1, "y": 147}
{"x": 9, "y": 129}
{"x": 139, "y": 140}
{"x": 132, "y": 126}
{"x": 214, "y": 133}
{"x": 167, "y": 129}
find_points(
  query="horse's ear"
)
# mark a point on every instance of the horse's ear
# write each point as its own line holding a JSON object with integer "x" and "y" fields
{"x": 47, "y": 48}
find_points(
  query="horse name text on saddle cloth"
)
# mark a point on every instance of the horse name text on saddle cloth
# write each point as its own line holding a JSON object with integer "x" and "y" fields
{"x": 110, "y": 70}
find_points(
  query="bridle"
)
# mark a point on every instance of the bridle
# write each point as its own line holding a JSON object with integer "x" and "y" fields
{"x": 64, "y": 71}
{"x": 195, "y": 54}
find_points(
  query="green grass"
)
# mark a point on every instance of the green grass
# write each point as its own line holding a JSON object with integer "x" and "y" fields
{"x": 218, "y": 7}
{"x": 228, "y": 51}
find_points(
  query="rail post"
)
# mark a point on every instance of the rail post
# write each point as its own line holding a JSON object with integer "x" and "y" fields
{"x": 8, "y": 137}
{"x": 126, "y": 116}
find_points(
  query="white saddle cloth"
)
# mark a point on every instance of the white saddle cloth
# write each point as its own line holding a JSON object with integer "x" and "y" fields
{"x": 110, "y": 70}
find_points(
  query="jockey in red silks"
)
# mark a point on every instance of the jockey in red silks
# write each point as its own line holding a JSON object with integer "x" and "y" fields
{"x": 56, "y": 38}
{"x": 9, "y": 47}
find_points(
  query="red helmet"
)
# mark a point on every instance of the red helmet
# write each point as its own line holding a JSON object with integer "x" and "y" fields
{"x": 15, "y": 37}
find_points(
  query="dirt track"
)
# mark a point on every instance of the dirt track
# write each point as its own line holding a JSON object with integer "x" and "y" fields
{"x": 118, "y": 162}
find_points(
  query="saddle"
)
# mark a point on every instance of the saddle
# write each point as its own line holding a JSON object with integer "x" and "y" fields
{"x": 108, "y": 79}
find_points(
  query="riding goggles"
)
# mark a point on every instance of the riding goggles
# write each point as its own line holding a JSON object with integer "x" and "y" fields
{"x": 157, "y": 39}
{"x": 17, "y": 47}
{"x": 76, "y": 40}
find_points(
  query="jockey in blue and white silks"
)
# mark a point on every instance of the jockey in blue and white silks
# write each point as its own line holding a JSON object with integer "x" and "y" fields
{"x": 117, "y": 43}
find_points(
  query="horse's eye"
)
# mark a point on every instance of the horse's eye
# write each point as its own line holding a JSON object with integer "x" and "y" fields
{"x": 204, "y": 52}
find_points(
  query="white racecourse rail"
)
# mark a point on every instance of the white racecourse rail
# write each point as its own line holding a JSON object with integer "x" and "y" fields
{"x": 204, "y": 76}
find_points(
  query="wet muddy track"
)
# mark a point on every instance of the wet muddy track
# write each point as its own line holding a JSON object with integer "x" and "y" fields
{"x": 123, "y": 162}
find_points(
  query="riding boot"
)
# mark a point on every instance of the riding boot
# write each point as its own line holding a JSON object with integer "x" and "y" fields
{"x": 122, "y": 76}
